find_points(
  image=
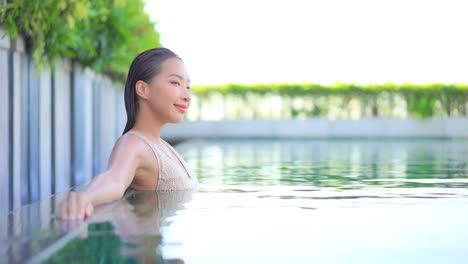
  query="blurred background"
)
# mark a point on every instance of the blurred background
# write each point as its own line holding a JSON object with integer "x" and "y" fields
{"x": 322, "y": 68}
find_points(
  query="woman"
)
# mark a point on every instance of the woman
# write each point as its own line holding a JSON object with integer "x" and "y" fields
{"x": 156, "y": 93}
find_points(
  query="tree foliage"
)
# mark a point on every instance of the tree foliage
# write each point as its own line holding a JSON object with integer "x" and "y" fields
{"x": 102, "y": 34}
{"x": 422, "y": 101}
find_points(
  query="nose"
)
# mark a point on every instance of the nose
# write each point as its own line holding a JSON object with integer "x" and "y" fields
{"x": 186, "y": 96}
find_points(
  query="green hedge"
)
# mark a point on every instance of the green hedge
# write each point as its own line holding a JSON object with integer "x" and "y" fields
{"x": 102, "y": 34}
{"x": 421, "y": 100}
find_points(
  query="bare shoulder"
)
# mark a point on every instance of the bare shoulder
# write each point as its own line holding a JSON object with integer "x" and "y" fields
{"x": 131, "y": 147}
{"x": 144, "y": 165}
{"x": 129, "y": 141}
{"x": 128, "y": 146}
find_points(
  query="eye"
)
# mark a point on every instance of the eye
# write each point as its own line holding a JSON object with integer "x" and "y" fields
{"x": 175, "y": 82}
{"x": 188, "y": 87}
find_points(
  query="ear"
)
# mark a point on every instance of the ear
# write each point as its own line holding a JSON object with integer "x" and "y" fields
{"x": 142, "y": 89}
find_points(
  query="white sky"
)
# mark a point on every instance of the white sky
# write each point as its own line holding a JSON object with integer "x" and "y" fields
{"x": 321, "y": 41}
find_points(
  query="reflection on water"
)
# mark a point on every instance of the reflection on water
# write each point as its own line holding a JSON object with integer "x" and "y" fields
{"x": 274, "y": 201}
{"x": 127, "y": 230}
{"x": 343, "y": 164}
{"x": 130, "y": 231}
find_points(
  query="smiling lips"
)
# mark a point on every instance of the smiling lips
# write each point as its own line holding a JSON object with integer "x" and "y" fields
{"x": 182, "y": 108}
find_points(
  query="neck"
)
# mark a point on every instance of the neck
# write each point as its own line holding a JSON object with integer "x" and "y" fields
{"x": 148, "y": 124}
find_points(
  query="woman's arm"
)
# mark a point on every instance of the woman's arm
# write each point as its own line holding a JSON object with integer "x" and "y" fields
{"x": 107, "y": 186}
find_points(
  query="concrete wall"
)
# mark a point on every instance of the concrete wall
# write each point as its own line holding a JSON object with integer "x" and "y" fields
{"x": 57, "y": 126}
{"x": 319, "y": 127}
{"x": 5, "y": 164}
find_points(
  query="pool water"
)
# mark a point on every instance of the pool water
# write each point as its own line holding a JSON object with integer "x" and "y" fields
{"x": 288, "y": 201}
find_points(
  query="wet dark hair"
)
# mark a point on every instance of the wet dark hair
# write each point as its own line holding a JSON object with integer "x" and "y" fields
{"x": 144, "y": 67}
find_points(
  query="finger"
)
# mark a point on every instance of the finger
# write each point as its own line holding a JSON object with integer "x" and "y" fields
{"x": 89, "y": 210}
{"x": 69, "y": 226}
{"x": 72, "y": 206}
{"x": 64, "y": 209}
{"x": 80, "y": 207}
{"x": 74, "y": 224}
{"x": 64, "y": 226}
{"x": 58, "y": 211}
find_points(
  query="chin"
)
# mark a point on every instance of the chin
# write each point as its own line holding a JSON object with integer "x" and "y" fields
{"x": 176, "y": 120}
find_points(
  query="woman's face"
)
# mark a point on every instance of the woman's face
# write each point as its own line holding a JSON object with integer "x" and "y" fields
{"x": 169, "y": 91}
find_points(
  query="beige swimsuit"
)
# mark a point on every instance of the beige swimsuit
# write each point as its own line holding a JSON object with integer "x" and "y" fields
{"x": 173, "y": 174}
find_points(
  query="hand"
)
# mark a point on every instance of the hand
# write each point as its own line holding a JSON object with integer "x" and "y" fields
{"x": 73, "y": 225}
{"x": 76, "y": 206}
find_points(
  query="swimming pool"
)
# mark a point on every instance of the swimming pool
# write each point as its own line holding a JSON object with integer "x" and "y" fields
{"x": 284, "y": 201}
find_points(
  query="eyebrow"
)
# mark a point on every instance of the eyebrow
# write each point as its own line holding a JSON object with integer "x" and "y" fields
{"x": 178, "y": 76}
